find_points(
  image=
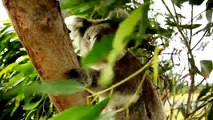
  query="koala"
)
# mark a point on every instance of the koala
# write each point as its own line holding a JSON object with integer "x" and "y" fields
{"x": 85, "y": 33}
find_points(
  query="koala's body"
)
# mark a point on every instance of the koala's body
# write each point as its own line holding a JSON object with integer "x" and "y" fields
{"x": 85, "y": 33}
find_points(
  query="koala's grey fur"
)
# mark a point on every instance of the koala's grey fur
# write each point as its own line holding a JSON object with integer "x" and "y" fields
{"x": 85, "y": 33}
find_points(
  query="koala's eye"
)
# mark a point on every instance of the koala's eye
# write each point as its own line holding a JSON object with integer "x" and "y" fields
{"x": 88, "y": 37}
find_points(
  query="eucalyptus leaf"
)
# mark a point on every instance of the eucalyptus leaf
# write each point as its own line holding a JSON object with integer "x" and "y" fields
{"x": 156, "y": 64}
{"x": 99, "y": 51}
{"x": 82, "y": 112}
{"x": 210, "y": 114}
{"x": 26, "y": 68}
{"x": 8, "y": 68}
{"x": 196, "y": 2}
{"x": 206, "y": 67}
{"x": 206, "y": 97}
{"x": 203, "y": 92}
{"x": 120, "y": 41}
{"x": 57, "y": 87}
{"x": 193, "y": 26}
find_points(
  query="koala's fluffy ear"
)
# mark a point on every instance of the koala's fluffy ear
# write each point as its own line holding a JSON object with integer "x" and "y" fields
{"x": 118, "y": 14}
{"x": 77, "y": 26}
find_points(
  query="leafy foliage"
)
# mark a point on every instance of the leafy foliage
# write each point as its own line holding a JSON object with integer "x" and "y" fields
{"x": 17, "y": 72}
{"x": 24, "y": 97}
{"x": 91, "y": 8}
{"x": 86, "y": 111}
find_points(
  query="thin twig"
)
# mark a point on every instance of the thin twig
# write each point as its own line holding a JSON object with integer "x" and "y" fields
{"x": 200, "y": 40}
{"x": 192, "y": 64}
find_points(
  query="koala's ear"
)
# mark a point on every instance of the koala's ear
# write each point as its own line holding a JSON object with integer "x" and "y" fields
{"x": 77, "y": 24}
{"x": 118, "y": 14}
{"x": 74, "y": 21}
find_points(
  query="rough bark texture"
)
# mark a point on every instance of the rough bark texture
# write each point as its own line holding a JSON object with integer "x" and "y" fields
{"x": 42, "y": 32}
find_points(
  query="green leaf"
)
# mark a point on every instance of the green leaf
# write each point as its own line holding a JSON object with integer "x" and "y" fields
{"x": 57, "y": 87}
{"x": 95, "y": 111}
{"x": 15, "y": 80}
{"x": 68, "y": 3}
{"x": 31, "y": 106}
{"x": 193, "y": 26}
{"x": 8, "y": 68}
{"x": 193, "y": 66}
{"x": 26, "y": 68}
{"x": 72, "y": 114}
{"x": 143, "y": 23}
{"x": 13, "y": 65}
{"x": 78, "y": 7}
{"x": 203, "y": 92}
{"x": 183, "y": 111}
{"x": 206, "y": 68}
{"x": 193, "y": 2}
{"x": 18, "y": 100}
{"x": 82, "y": 112}
{"x": 186, "y": 26}
{"x": 207, "y": 97}
{"x": 179, "y": 2}
{"x": 99, "y": 51}
{"x": 106, "y": 77}
{"x": 206, "y": 28}
{"x": 120, "y": 41}
{"x": 210, "y": 114}
{"x": 196, "y": 2}
{"x": 155, "y": 61}
{"x": 127, "y": 27}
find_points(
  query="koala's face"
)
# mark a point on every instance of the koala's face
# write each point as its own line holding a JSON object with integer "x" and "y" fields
{"x": 94, "y": 34}
{"x": 86, "y": 33}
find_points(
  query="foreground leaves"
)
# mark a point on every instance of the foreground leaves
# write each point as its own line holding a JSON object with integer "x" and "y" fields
{"x": 206, "y": 68}
{"x": 120, "y": 41}
{"x": 82, "y": 112}
{"x": 59, "y": 87}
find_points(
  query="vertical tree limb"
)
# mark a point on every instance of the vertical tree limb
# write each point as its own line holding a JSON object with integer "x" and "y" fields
{"x": 43, "y": 34}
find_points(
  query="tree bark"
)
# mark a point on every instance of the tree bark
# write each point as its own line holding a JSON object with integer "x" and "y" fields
{"x": 41, "y": 29}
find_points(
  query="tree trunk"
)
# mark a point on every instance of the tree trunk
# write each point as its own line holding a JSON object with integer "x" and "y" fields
{"x": 41, "y": 29}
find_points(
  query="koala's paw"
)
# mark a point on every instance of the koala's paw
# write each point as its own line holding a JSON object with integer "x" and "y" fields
{"x": 87, "y": 76}
{"x": 78, "y": 74}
